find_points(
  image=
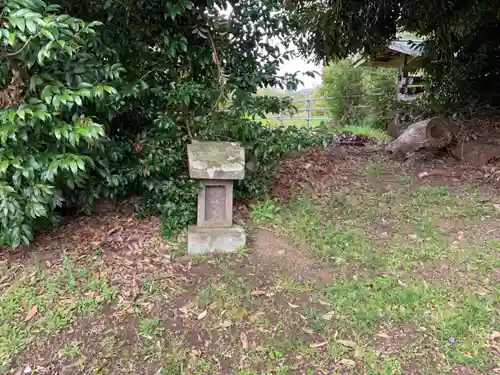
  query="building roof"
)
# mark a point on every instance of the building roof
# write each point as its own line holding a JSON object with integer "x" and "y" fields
{"x": 407, "y": 47}
{"x": 393, "y": 55}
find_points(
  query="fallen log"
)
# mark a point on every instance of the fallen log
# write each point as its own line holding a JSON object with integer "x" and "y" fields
{"x": 432, "y": 133}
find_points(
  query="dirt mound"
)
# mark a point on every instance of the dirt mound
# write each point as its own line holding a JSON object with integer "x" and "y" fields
{"x": 319, "y": 169}
{"x": 270, "y": 250}
{"x": 343, "y": 165}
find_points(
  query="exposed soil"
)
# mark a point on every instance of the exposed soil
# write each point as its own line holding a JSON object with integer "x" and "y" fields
{"x": 343, "y": 167}
{"x": 270, "y": 250}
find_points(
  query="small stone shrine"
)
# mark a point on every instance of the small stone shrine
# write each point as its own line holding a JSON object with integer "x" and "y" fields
{"x": 216, "y": 165}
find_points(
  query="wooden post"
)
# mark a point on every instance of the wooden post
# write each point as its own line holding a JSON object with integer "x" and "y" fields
{"x": 308, "y": 111}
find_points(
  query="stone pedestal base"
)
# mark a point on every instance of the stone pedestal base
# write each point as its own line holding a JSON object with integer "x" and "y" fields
{"x": 209, "y": 240}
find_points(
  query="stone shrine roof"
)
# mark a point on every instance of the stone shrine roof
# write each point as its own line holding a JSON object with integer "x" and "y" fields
{"x": 210, "y": 160}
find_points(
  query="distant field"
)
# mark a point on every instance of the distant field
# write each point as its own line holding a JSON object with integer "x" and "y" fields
{"x": 314, "y": 122}
{"x": 291, "y": 122}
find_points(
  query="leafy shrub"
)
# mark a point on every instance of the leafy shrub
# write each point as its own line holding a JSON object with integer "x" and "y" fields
{"x": 344, "y": 83}
{"x": 361, "y": 95}
{"x": 51, "y": 73}
{"x": 379, "y": 97}
{"x": 154, "y": 165}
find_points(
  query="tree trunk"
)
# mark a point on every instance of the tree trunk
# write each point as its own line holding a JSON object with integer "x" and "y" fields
{"x": 432, "y": 133}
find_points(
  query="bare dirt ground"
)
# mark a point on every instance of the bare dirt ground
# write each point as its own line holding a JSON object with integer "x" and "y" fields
{"x": 360, "y": 265}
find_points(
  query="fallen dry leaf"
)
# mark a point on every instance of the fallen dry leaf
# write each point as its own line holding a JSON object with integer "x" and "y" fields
{"x": 329, "y": 315}
{"x": 258, "y": 293}
{"x": 202, "y": 314}
{"x": 383, "y": 335}
{"x": 33, "y": 311}
{"x": 347, "y": 362}
{"x": 347, "y": 343}
{"x": 90, "y": 294}
{"x": 319, "y": 344}
{"x": 495, "y": 335}
{"x": 135, "y": 290}
{"x": 244, "y": 340}
{"x": 292, "y": 305}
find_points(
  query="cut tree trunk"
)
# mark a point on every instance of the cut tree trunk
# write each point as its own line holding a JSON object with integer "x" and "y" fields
{"x": 432, "y": 133}
{"x": 394, "y": 127}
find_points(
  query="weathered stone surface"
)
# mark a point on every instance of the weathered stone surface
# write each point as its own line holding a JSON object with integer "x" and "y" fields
{"x": 216, "y": 160}
{"x": 210, "y": 240}
{"x": 215, "y": 204}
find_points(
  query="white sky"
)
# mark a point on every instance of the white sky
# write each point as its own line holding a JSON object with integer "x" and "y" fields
{"x": 302, "y": 65}
{"x": 294, "y": 65}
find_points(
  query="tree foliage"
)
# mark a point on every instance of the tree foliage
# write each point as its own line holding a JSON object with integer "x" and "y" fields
{"x": 99, "y": 99}
{"x": 460, "y": 47}
{"x": 344, "y": 83}
{"x": 361, "y": 95}
{"x": 52, "y": 72}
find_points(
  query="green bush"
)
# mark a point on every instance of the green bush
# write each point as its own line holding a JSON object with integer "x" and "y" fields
{"x": 46, "y": 128}
{"x": 344, "y": 83}
{"x": 75, "y": 126}
{"x": 154, "y": 166}
{"x": 361, "y": 95}
{"x": 379, "y": 97}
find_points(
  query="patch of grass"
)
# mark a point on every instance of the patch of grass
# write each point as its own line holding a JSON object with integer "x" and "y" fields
{"x": 175, "y": 357}
{"x": 71, "y": 350}
{"x": 362, "y": 305}
{"x": 150, "y": 327}
{"x": 382, "y": 365}
{"x": 151, "y": 287}
{"x": 224, "y": 296}
{"x": 287, "y": 283}
{"x": 207, "y": 295}
{"x": 414, "y": 272}
{"x": 39, "y": 300}
{"x": 315, "y": 320}
{"x": 264, "y": 211}
{"x": 334, "y": 240}
{"x": 409, "y": 231}
{"x": 403, "y": 205}
{"x": 405, "y": 180}
{"x": 288, "y": 122}
{"x": 363, "y": 130}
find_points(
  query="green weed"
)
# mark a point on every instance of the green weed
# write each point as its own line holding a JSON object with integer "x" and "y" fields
{"x": 42, "y": 301}
{"x": 264, "y": 212}
{"x": 72, "y": 350}
{"x": 150, "y": 327}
